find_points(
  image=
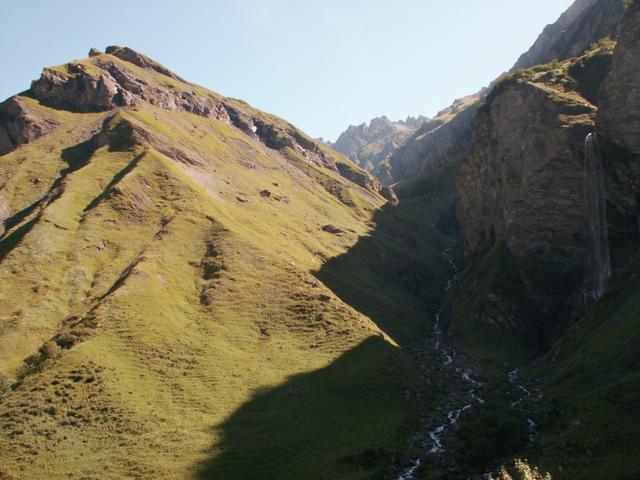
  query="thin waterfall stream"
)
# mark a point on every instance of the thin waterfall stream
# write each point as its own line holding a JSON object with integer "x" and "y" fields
{"x": 598, "y": 265}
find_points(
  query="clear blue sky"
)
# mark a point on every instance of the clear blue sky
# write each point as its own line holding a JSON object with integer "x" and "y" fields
{"x": 321, "y": 64}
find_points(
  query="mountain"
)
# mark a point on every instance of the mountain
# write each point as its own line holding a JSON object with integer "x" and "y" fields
{"x": 442, "y": 140}
{"x": 370, "y": 145}
{"x": 547, "y": 205}
{"x": 193, "y": 288}
{"x": 446, "y": 138}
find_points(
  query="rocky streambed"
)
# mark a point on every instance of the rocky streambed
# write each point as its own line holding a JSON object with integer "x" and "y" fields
{"x": 465, "y": 393}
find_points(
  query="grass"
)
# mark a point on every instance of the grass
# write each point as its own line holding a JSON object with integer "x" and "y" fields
{"x": 170, "y": 329}
{"x": 590, "y": 411}
{"x": 490, "y": 308}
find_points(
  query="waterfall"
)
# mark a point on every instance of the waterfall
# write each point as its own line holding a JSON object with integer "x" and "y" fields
{"x": 597, "y": 245}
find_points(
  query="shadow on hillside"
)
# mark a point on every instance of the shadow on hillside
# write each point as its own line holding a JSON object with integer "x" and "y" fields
{"x": 76, "y": 157}
{"x": 347, "y": 417}
{"x": 395, "y": 275}
{"x": 343, "y": 418}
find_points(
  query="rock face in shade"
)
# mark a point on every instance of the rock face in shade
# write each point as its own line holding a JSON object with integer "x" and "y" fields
{"x": 618, "y": 118}
{"x": 618, "y": 126}
{"x": 521, "y": 190}
{"x": 521, "y": 187}
{"x": 521, "y": 183}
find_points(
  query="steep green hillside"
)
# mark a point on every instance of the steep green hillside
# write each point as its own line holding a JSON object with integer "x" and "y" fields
{"x": 591, "y": 405}
{"x": 180, "y": 297}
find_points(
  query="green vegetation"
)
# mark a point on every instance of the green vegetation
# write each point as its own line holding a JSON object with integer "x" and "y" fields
{"x": 491, "y": 432}
{"x": 490, "y": 307}
{"x": 160, "y": 317}
{"x": 520, "y": 471}
{"x": 590, "y": 412}
{"x": 574, "y": 80}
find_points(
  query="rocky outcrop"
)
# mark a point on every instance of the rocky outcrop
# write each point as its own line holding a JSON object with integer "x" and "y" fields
{"x": 142, "y": 61}
{"x": 82, "y": 89}
{"x": 19, "y": 126}
{"x": 441, "y": 140}
{"x": 104, "y": 84}
{"x": 584, "y": 23}
{"x": 521, "y": 181}
{"x": 359, "y": 177}
{"x": 369, "y": 145}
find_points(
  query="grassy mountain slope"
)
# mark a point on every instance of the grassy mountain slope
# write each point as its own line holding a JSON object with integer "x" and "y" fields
{"x": 163, "y": 311}
{"x": 591, "y": 406}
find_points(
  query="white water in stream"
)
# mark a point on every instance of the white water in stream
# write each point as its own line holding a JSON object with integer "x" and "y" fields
{"x": 432, "y": 442}
{"x": 525, "y": 393}
{"x": 598, "y": 261}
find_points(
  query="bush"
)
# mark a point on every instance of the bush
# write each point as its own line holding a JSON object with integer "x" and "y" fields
{"x": 520, "y": 471}
{"x": 489, "y": 433}
{"x": 33, "y": 363}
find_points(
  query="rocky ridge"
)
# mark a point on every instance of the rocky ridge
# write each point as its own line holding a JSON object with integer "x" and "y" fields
{"x": 584, "y": 22}
{"x": 118, "y": 79}
{"x": 370, "y": 145}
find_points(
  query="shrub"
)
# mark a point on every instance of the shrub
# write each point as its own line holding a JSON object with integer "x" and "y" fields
{"x": 520, "y": 471}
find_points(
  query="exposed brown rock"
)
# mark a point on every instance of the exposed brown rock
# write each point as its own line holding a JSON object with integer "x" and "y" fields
{"x": 390, "y": 195}
{"x": 5, "y": 212}
{"x": 359, "y": 177}
{"x": 129, "y": 55}
{"x": 522, "y": 184}
{"x": 19, "y": 126}
{"x": 332, "y": 229}
{"x": 115, "y": 86}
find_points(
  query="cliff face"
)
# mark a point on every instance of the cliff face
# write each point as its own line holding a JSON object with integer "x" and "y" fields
{"x": 584, "y": 23}
{"x": 521, "y": 186}
{"x": 618, "y": 124}
{"x": 18, "y": 125}
{"x": 522, "y": 175}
